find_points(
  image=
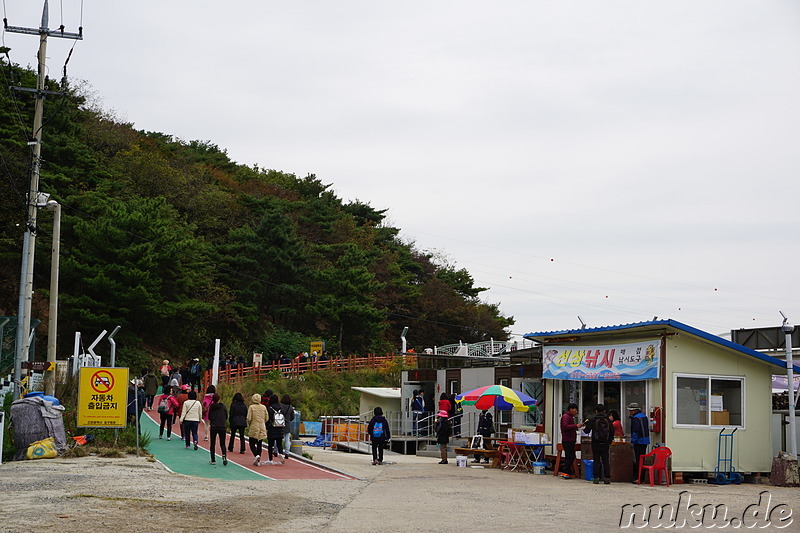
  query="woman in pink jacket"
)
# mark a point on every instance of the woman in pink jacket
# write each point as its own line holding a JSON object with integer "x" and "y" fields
{"x": 167, "y": 407}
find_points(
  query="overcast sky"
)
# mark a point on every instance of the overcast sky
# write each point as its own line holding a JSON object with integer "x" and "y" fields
{"x": 613, "y": 160}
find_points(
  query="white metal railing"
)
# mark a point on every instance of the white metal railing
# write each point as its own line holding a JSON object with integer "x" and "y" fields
{"x": 490, "y": 348}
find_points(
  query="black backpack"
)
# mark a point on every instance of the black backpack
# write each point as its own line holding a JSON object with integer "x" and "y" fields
{"x": 601, "y": 432}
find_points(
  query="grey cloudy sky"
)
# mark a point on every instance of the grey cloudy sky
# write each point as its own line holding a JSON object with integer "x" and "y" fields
{"x": 615, "y": 160}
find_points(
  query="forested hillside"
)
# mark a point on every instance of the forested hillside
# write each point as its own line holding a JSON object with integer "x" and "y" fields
{"x": 180, "y": 245}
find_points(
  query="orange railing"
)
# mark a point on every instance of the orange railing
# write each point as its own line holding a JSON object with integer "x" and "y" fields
{"x": 295, "y": 367}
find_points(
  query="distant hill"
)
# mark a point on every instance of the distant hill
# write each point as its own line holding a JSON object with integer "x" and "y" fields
{"x": 180, "y": 245}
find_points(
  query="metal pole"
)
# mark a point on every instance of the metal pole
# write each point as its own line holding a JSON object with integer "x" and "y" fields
{"x": 215, "y": 366}
{"x": 52, "y": 330}
{"x": 787, "y": 329}
{"x": 113, "y": 346}
{"x": 26, "y": 293}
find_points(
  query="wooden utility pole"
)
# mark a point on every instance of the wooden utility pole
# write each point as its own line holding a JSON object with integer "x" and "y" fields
{"x": 36, "y": 199}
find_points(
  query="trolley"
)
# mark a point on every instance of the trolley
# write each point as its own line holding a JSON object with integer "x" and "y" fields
{"x": 725, "y": 474}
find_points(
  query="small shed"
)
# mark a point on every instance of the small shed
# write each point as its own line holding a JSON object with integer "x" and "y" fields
{"x": 690, "y": 383}
{"x": 387, "y": 398}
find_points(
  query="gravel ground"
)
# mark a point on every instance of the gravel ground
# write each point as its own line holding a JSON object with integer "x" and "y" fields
{"x": 411, "y": 494}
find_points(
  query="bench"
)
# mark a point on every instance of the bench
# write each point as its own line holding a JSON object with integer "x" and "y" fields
{"x": 493, "y": 454}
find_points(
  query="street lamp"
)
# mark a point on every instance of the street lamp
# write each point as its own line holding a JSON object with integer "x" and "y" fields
{"x": 787, "y": 329}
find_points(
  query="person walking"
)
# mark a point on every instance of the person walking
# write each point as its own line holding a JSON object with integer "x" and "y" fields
{"x": 640, "y": 435}
{"x": 569, "y": 435}
{"x": 194, "y": 373}
{"x": 256, "y": 427}
{"x": 378, "y": 431}
{"x": 238, "y": 421}
{"x": 217, "y": 417}
{"x": 182, "y": 396}
{"x": 210, "y": 391}
{"x": 417, "y": 410}
{"x": 276, "y": 426}
{"x": 288, "y": 413}
{"x": 150, "y": 388}
{"x": 443, "y": 433}
{"x": 165, "y": 370}
{"x": 191, "y": 414}
{"x": 136, "y": 403}
{"x": 167, "y": 407}
{"x": 602, "y": 434}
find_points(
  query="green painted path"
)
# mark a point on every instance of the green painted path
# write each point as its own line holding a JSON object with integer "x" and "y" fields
{"x": 174, "y": 455}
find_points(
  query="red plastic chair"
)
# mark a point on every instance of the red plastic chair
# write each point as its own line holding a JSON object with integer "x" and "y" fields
{"x": 503, "y": 455}
{"x": 660, "y": 456}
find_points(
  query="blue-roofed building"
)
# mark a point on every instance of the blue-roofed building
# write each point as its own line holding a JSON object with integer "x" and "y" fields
{"x": 691, "y": 383}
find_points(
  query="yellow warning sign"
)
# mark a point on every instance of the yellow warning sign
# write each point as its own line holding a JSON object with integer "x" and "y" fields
{"x": 102, "y": 397}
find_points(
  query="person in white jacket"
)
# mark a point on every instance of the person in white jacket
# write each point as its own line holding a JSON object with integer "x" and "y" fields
{"x": 191, "y": 414}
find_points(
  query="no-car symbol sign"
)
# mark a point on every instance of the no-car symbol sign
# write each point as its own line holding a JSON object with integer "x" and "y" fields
{"x": 102, "y": 381}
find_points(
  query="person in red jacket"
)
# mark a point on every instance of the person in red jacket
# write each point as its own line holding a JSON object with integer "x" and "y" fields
{"x": 569, "y": 435}
{"x": 167, "y": 407}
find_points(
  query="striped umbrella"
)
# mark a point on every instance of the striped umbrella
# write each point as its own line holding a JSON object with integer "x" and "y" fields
{"x": 498, "y": 396}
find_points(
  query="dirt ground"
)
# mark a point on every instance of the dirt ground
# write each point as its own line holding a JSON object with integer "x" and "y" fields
{"x": 411, "y": 494}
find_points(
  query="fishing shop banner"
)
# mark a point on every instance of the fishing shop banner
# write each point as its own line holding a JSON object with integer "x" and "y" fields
{"x": 610, "y": 362}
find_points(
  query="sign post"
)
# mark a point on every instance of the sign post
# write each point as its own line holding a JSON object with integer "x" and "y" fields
{"x": 102, "y": 397}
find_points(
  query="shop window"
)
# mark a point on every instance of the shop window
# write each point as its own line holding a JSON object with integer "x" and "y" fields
{"x": 709, "y": 401}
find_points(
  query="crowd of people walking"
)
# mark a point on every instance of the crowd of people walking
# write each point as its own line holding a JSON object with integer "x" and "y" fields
{"x": 266, "y": 418}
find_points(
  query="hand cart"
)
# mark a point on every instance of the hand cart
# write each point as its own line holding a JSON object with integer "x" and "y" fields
{"x": 725, "y": 474}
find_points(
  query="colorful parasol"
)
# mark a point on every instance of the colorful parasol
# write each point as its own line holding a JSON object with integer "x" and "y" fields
{"x": 498, "y": 396}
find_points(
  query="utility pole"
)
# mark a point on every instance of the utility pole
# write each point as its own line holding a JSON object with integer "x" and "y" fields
{"x": 35, "y": 198}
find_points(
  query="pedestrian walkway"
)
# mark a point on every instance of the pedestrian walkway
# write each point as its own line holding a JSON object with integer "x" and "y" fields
{"x": 174, "y": 455}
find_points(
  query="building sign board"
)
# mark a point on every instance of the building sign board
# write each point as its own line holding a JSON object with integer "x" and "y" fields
{"x": 608, "y": 362}
{"x": 102, "y": 397}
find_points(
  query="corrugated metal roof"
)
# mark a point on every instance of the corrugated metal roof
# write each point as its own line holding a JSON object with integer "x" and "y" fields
{"x": 668, "y": 323}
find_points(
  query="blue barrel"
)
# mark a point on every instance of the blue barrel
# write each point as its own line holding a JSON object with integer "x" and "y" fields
{"x": 588, "y": 468}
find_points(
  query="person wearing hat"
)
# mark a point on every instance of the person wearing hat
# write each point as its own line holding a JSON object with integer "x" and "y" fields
{"x": 443, "y": 432}
{"x": 640, "y": 435}
{"x": 165, "y": 370}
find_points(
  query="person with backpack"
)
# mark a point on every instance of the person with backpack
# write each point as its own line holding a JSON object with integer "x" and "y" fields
{"x": 276, "y": 426}
{"x": 238, "y": 421}
{"x": 165, "y": 370}
{"x": 194, "y": 373}
{"x": 167, "y": 407}
{"x": 217, "y": 417}
{"x": 602, "y": 435}
{"x": 417, "y": 409}
{"x": 379, "y": 434}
